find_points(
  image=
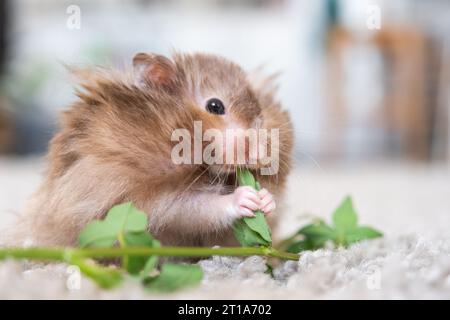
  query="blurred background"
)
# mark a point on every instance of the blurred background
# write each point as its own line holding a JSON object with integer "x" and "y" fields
{"x": 363, "y": 80}
{"x": 366, "y": 82}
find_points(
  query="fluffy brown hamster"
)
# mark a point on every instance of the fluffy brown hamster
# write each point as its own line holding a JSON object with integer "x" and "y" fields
{"x": 115, "y": 145}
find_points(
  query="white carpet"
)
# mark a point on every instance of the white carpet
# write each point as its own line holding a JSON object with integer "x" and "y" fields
{"x": 411, "y": 205}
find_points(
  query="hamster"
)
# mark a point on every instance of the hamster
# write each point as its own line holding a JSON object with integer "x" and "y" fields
{"x": 114, "y": 145}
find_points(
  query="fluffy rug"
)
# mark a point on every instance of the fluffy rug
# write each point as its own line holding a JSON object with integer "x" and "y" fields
{"x": 411, "y": 205}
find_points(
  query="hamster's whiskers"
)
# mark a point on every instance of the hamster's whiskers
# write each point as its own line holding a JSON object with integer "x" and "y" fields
{"x": 195, "y": 180}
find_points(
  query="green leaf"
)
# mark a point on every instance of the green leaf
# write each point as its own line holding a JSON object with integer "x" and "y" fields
{"x": 120, "y": 219}
{"x": 255, "y": 230}
{"x": 136, "y": 264}
{"x": 318, "y": 230}
{"x": 105, "y": 277}
{"x": 174, "y": 277}
{"x": 345, "y": 231}
{"x": 259, "y": 225}
{"x": 317, "y": 234}
{"x": 246, "y": 236}
{"x": 299, "y": 246}
{"x": 126, "y": 217}
{"x": 362, "y": 233}
{"x": 314, "y": 236}
{"x": 344, "y": 217}
{"x": 152, "y": 261}
{"x": 97, "y": 234}
{"x": 245, "y": 178}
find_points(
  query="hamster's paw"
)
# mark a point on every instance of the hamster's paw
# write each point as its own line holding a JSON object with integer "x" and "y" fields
{"x": 267, "y": 202}
{"x": 245, "y": 201}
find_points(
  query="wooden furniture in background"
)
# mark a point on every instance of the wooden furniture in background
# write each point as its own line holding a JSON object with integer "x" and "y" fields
{"x": 5, "y": 129}
{"x": 403, "y": 113}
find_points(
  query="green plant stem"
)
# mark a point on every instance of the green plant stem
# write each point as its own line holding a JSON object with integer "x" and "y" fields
{"x": 61, "y": 254}
{"x": 121, "y": 240}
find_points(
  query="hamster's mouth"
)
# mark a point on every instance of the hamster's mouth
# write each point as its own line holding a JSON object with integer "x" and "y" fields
{"x": 225, "y": 175}
{"x": 227, "y": 171}
{"x": 222, "y": 169}
{"x": 222, "y": 174}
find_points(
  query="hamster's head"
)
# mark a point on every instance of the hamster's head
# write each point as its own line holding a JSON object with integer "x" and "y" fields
{"x": 220, "y": 103}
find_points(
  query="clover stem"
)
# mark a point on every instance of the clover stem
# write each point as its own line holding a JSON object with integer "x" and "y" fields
{"x": 59, "y": 254}
{"x": 121, "y": 240}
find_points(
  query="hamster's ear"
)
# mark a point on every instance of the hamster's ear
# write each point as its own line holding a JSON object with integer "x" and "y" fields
{"x": 153, "y": 69}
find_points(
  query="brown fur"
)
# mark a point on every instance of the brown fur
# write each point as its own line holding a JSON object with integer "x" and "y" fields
{"x": 114, "y": 146}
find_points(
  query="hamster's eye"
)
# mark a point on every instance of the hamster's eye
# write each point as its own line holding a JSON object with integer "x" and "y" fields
{"x": 215, "y": 106}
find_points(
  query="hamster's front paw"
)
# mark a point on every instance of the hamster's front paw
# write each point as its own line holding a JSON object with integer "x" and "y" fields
{"x": 245, "y": 200}
{"x": 267, "y": 202}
